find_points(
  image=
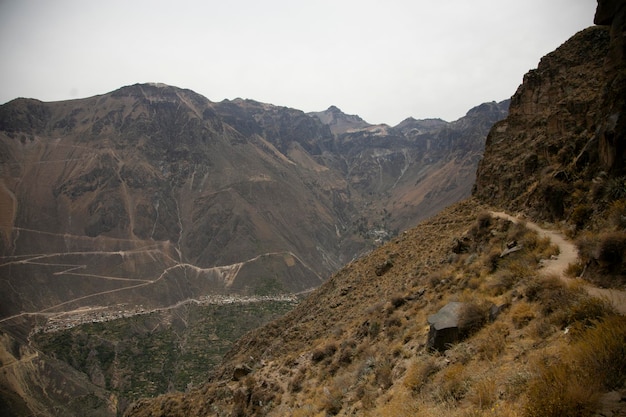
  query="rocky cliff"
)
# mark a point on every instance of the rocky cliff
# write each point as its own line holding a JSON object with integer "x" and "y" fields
{"x": 561, "y": 149}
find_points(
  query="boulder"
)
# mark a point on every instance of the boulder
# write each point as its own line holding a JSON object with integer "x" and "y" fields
{"x": 240, "y": 372}
{"x": 444, "y": 327}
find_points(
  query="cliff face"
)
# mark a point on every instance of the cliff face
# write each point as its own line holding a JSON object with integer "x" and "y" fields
{"x": 612, "y": 123}
{"x": 565, "y": 129}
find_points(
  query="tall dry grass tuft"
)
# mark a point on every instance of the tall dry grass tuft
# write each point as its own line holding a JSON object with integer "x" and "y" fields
{"x": 601, "y": 352}
{"x": 596, "y": 362}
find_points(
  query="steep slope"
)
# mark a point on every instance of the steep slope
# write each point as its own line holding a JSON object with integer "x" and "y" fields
{"x": 444, "y": 166}
{"x": 525, "y": 343}
{"x": 338, "y": 121}
{"x": 551, "y": 144}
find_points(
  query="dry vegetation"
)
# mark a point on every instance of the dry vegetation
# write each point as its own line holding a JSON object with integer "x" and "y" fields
{"x": 357, "y": 346}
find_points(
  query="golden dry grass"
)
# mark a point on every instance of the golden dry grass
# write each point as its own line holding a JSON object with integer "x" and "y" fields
{"x": 357, "y": 345}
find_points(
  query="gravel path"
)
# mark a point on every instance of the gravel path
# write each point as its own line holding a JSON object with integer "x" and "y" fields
{"x": 568, "y": 255}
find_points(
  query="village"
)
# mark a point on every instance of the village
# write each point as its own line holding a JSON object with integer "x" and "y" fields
{"x": 99, "y": 314}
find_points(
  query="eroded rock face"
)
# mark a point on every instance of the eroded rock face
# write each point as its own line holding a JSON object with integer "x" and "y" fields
{"x": 611, "y": 132}
{"x": 563, "y": 124}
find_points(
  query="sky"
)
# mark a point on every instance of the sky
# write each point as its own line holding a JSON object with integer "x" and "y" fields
{"x": 384, "y": 60}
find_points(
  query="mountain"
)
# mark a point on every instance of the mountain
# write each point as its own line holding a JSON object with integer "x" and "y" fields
{"x": 412, "y": 170}
{"x": 524, "y": 340}
{"x": 140, "y": 208}
{"x": 153, "y": 193}
{"x": 338, "y": 121}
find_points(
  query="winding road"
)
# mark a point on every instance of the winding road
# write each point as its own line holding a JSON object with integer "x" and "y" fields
{"x": 568, "y": 254}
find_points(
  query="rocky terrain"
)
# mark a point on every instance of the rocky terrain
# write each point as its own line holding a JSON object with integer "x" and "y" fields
{"x": 152, "y": 199}
{"x": 518, "y": 339}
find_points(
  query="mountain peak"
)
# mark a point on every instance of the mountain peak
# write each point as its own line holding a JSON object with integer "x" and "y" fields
{"x": 338, "y": 121}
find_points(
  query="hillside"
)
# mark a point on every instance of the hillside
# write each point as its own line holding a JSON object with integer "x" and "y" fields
{"x": 518, "y": 340}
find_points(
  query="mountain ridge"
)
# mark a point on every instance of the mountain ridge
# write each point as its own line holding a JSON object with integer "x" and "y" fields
{"x": 125, "y": 204}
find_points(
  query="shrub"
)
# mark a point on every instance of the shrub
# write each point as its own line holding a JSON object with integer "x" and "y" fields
{"x": 521, "y": 314}
{"x": 472, "y": 318}
{"x": 332, "y": 400}
{"x": 607, "y": 249}
{"x": 397, "y": 301}
{"x": 574, "y": 270}
{"x": 541, "y": 329}
{"x": 585, "y": 311}
{"x": 346, "y": 355}
{"x": 558, "y": 391}
{"x": 601, "y": 352}
{"x": 491, "y": 341}
{"x": 554, "y": 194}
{"x": 454, "y": 383}
{"x": 615, "y": 188}
{"x": 483, "y": 393}
{"x": 483, "y": 221}
{"x": 551, "y": 293}
{"x": 383, "y": 374}
{"x": 295, "y": 385}
{"x": 580, "y": 215}
{"x": 320, "y": 354}
{"x": 596, "y": 362}
{"x": 419, "y": 373}
{"x": 492, "y": 259}
{"x": 611, "y": 251}
{"x": 617, "y": 214}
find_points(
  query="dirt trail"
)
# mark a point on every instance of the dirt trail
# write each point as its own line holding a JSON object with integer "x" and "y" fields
{"x": 568, "y": 255}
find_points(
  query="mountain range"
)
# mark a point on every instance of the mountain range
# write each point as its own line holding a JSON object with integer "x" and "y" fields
{"x": 151, "y": 197}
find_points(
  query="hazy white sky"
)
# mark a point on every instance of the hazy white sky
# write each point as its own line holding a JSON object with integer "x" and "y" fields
{"x": 384, "y": 60}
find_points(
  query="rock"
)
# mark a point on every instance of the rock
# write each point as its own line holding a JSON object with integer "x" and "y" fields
{"x": 495, "y": 310}
{"x": 509, "y": 251}
{"x": 444, "y": 327}
{"x": 241, "y": 371}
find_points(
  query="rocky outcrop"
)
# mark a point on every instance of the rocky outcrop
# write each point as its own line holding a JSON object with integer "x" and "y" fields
{"x": 551, "y": 142}
{"x": 612, "y": 118}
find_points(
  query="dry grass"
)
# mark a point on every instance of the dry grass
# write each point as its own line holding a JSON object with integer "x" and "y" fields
{"x": 366, "y": 354}
{"x": 522, "y": 313}
{"x": 572, "y": 386}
